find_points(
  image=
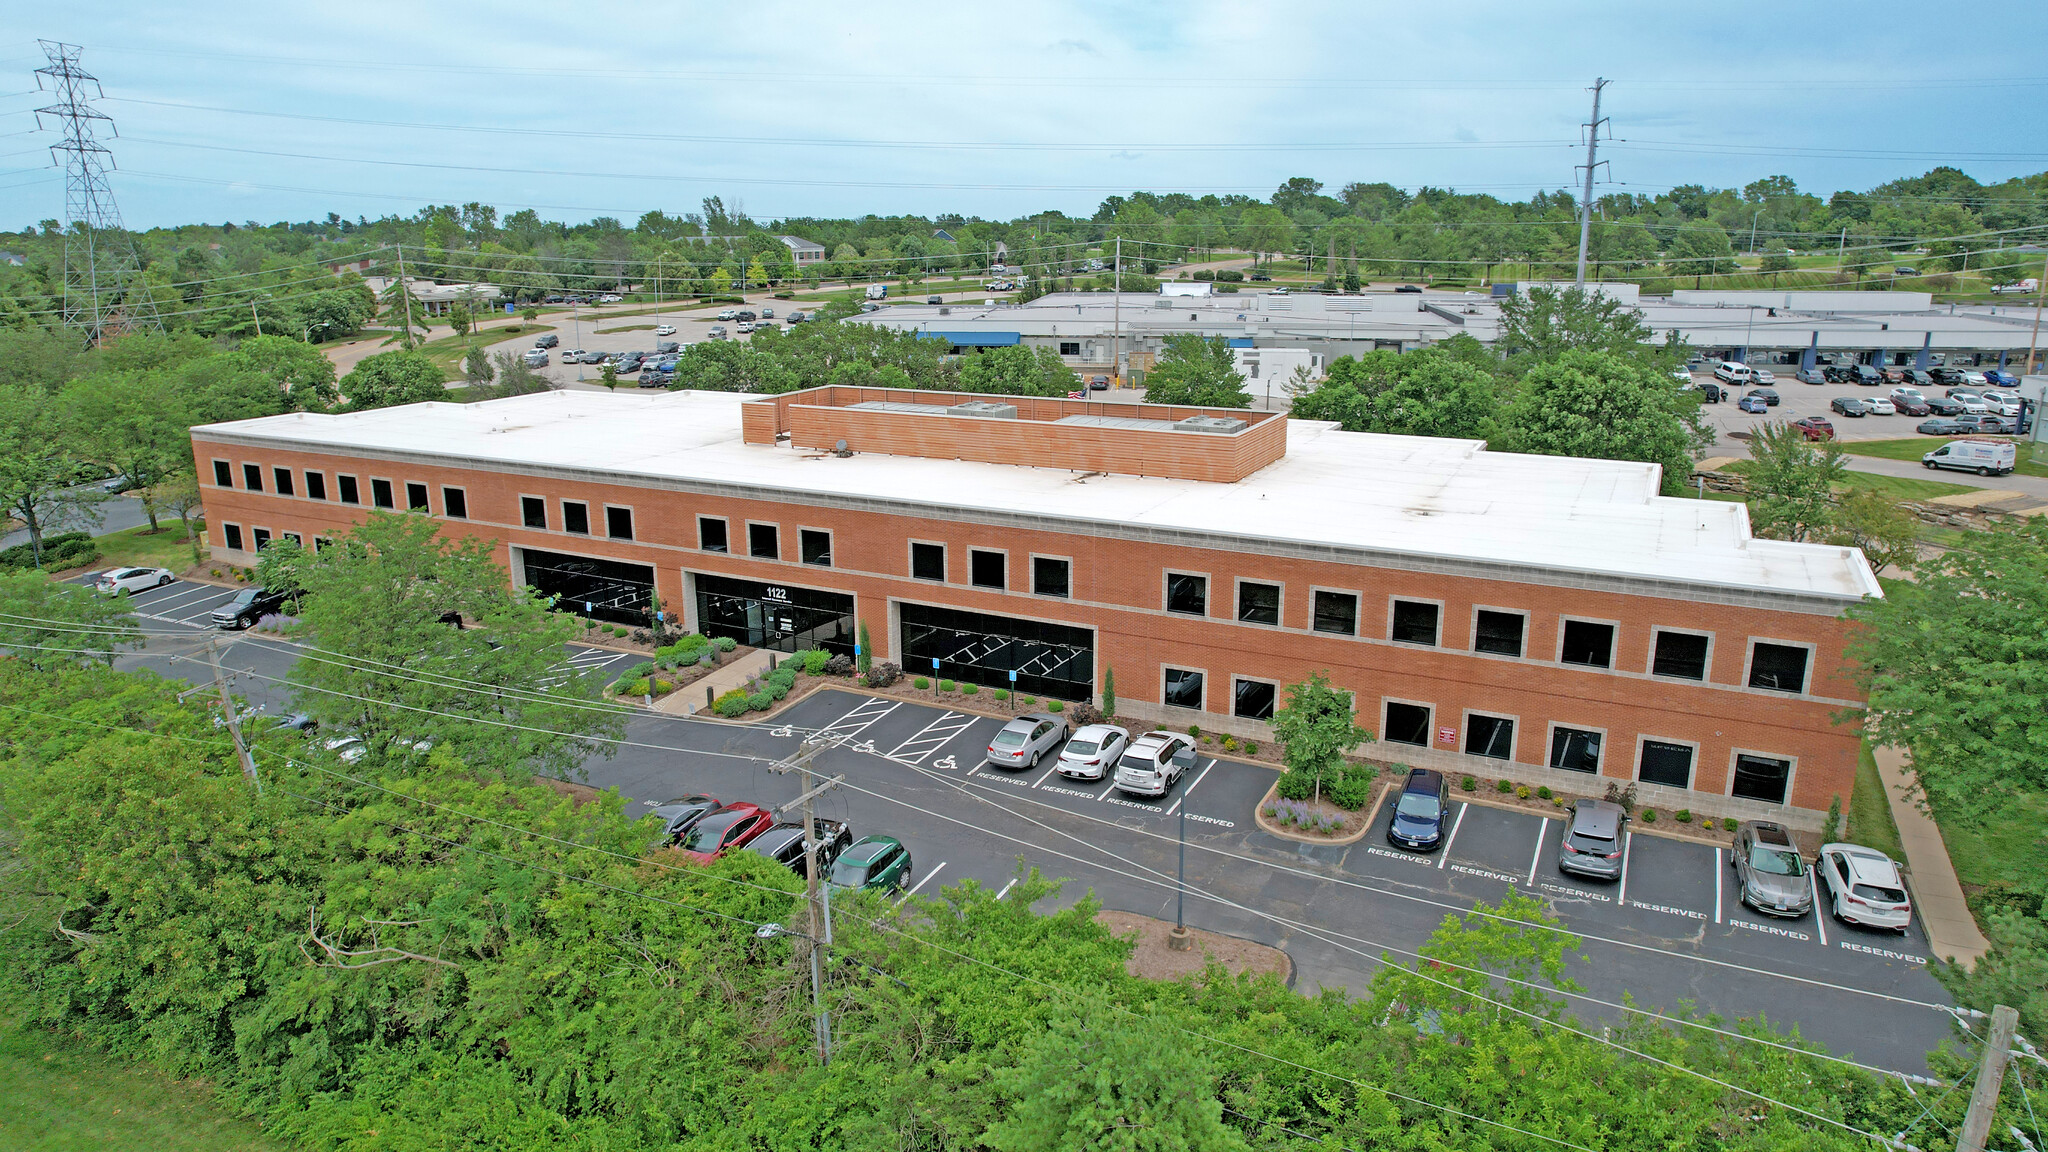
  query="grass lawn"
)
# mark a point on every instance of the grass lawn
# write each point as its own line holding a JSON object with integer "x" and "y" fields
{"x": 60, "y": 1096}
{"x": 1890, "y": 487}
{"x": 2004, "y": 847}
{"x": 2033, "y": 458}
{"x": 137, "y": 547}
{"x": 1870, "y": 811}
{"x": 626, "y": 328}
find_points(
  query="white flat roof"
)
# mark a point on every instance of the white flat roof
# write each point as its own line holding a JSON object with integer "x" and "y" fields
{"x": 1405, "y": 496}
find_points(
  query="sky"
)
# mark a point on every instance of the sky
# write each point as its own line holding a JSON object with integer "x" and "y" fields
{"x": 232, "y": 111}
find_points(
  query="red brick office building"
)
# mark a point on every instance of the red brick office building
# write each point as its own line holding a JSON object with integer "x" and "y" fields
{"x": 1485, "y": 607}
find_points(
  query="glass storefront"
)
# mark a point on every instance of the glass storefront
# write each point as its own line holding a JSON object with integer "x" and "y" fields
{"x": 778, "y": 616}
{"x": 608, "y": 590}
{"x": 1051, "y": 660}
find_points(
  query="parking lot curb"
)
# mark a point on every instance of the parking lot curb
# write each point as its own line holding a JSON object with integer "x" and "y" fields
{"x": 1271, "y": 828}
{"x": 1635, "y": 826}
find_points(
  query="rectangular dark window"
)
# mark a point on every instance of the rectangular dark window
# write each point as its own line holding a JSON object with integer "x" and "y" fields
{"x": 295, "y": 538}
{"x": 380, "y": 493}
{"x": 1070, "y": 347}
{"x": 576, "y": 517}
{"x": 1781, "y": 667}
{"x": 1665, "y": 763}
{"x": 986, "y": 569}
{"x": 618, "y": 523}
{"x": 252, "y": 477}
{"x": 322, "y": 544}
{"x": 533, "y": 512}
{"x": 1183, "y": 688}
{"x": 232, "y": 534}
{"x": 283, "y": 478}
{"x": 1407, "y": 724}
{"x": 1680, "y": 654}
{"x": 1189, "y": 594}
{"x": 1490, "y": 736}
{"x": 928, "y": 561}
{"x": 815, "y": 547}
{"x": 763, "y": 542}
{"x": 349, "y": 493}
{"x": 1051, "y": 576}
{"x": 416, "y": 497}
{"x": 1761, "y": 778}
{"x": 1588, "y": 643}
{"x": 1414, "y": 622}
{"x": 711, "y": 534}
{"x": 1574, "y": 749}
{"x": 316, "y": 486}
{"x": 223, "y": 475}
{"x": 262, "y": 537}
{"x": 1337, "y": 612}
{"x": 454, "y": 503}
{"x": 1254, "y": 700}
{"x": 1499, "y": 633}
{"x": 1258, "y": 603}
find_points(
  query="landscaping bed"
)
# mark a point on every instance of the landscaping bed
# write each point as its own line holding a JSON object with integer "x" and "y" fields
{"x": 672, "y": 667}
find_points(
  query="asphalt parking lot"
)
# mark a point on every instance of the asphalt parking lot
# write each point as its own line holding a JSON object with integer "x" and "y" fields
{"x": 1797, "y": 401}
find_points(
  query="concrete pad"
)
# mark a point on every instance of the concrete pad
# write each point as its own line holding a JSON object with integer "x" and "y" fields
{"x": 1716, "y": 463}
{"x": 1938, "y": 900}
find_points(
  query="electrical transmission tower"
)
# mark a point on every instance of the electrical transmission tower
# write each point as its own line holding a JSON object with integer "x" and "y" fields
{"x": 104, "y": 294}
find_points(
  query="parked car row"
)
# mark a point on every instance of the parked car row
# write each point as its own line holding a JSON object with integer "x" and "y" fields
{"x": 704, "y": 829}
{"x": 1148, "y": 765}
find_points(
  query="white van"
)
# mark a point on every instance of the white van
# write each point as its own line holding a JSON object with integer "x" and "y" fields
{"x": 1984, "y": 457}
{"x": 1732, "y": 372}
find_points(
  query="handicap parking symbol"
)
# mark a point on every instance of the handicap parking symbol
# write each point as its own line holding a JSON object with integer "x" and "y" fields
{"x": 785, "y": 730}
{"x": 946, "y": 764}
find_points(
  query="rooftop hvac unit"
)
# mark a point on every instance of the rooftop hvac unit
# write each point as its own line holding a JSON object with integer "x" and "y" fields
{"x": 1222, "y": 424}
{"x": 1162, "y": 304}
{"x": 986, "y": 409}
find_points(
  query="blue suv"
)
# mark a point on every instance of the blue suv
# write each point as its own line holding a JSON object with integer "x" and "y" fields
{"x": 1418, "y": 821}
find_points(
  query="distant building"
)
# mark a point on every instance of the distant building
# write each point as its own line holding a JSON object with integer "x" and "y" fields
{"x": 359, "y": 267}
{"x": 942, "y": 234}
{"x": 805, "y": 252}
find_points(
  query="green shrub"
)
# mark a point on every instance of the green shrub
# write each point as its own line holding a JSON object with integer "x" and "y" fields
{"x": 1683, "y": 815}
{"x": 1649, "y": 815}
{"x": 1027, "y": 701}
{"x": 970, "y": 689}
{"x": 1728, "y": 824}
{"x": 664, "y": 687}
{"x": 778, "y": 689}
{"x": 1251, "y": 747}
{"x": 1521, "y": 791}
{"x": 1543, "y": 790}
{"x": 641, "y": 670}
{"x": 1351, "y": 787}
{"x": 1503, "y": 786}
{"x": 724, "y": 644}
{"x": 761, "y": 701}
{"x": 1230, "y": 744}
{"x": 783, "y": 676}
{"x": 1002, "y": 695}
{"x": 731, "y": 704}
{"x": 947, "y": 686}
{"x": 1195, "y": 730}
{"x": 1056, "y": 706}
{"x": 920, "y": 683}
{"x": 1470, "y": 784}
{"x": 1296, "y": 785}
{"x": 815, "y": 661}
{"x": 692, "y": 642}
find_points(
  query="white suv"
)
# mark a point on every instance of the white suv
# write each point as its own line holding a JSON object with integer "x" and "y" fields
{"x": 1863, "y": 887}
{"x": 1154, "y": 763}
{"x": 1732, "y": 372}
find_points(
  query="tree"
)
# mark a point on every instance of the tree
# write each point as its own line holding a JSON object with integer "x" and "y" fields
{"x": 1955, "y": 660}
{"x": 303, "y": 377}
{"x": 1542, "y": 324}
{"x": 1791, "y": 483}
{"x": 529, "y": 313}
{"x": 390, "y": 378}
{"x": 1888, "y": 534}
{"x": 1317, "y": 726}
{"x": 1018, "y": 371}
{"x": 1109, "y": 691}
{"x": 403, "y": 311}
{"x": 476, "y": 367}
{"x": 383, "y": 664}
{"x": 1603, "y": 406}
{"x": 42, "y": 473}
{"x": 46, "y": 624}
{"x": 865, "y": 658}
{"x": 281, "y": 567}
{"x": 1264, "y": 230}
{"x": 179, "y": 495}
{"x": 756, "y": 273}
{"x": 608, "y": 375}
{"x": 136, "y": 426}
{"x": 460, "y": 318}
{"x": 1196, "y": 370}
{"x": 1424, "y": 393}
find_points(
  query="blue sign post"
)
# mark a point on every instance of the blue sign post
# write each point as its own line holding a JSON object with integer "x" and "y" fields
{"x": 1013, "y": 690}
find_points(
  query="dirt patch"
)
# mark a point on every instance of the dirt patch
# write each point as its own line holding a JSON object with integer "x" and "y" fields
{"x": 579, "y": 794}
{"x": 1153, "y": 960}
{"x": 1350, "y": 825}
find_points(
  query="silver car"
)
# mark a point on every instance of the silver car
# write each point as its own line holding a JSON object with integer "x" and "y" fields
{"x": 1593, "y": 843}
{"x": 1025, "y": 741}
{"x": 1864, "y": 887}
{"x": 1770, "y": 874}
{"x": 1154, "y": 763}
{"x": 1093, "y": 751}
{"x": 132, "y": 579}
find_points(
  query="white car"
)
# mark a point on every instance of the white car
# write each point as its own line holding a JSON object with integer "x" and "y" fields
{"x": 1762, "y": 376}
{"x": 729, "y": 314}
{"x": 665, "y": 330}
{"x": 609, "y": 298}
{"x": 1972, "y": 405}
{"x": 1154, "y": 763}
{"x": 1912, "y": 394}
{"x": 349, "y": 748}
{"x": 132, "y": 579}
{"x": 1732, "y": 372}
{"x": 1879, "y": 406}
{"x": 1975, "y": 379}
{"x": 2003, "y": 403}
{"x": 1863, "y": 887}
{"x": 746, "y": 326}
{"x": 1093, "y": 750}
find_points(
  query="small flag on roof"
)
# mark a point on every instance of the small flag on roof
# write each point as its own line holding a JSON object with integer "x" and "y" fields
{"x": 1077, "y": 395}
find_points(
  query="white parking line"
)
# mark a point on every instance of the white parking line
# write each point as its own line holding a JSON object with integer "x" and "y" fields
{"x": 1190, "y": 789}
{"x": 930, "y": 738}
{"x": 173, "y": 595}
{"x": 1444, "y": 857}
{"x": 1717, "y": 885}
{"x": 1048, "y": 774}
{"x": 921, "y": 883}
{"x": 1621, "y": 897}
{"x": 863, "y": 722}
{"x": 1006, "y": 888}
{"x": 1542, "y": 834}
{"x": 1819, "y": 917}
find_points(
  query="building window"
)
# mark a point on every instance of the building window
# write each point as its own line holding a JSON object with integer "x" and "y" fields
{"x": 347, "y": 486}
{"x": 1587, "y": 643}
{"x": 533, "y": 512}
{"x": 928, "y": 561}
{"x": 252, "y": 477}
{"x": 1490, "y": 736}
{"x": 321, "y": 544}
{"x": 454, "y": 503}
{"x": 1498, "y": 633}
{"x": 1185, "y": 593}
{"x": 223, "y": 476}
{"x": 814, "y": 546}
{"x": 711, "y": 534}
{"x": 576, "y": 517}
{"x": 262, "y": 538}
{"x": 1051, "y": 576}
{"x": 1574, "y": 749}
{"x": 232, "y": 534}
{"x": 1070, "y": 347}
{"x": 380, "y": 493}
{"x": 1780, "y": 667}
{"x": 416, "y": 497}
{"x": 1253, "y": 699}
{"x": 283, "y": 478}
{"x": 316, "y": 486}
{"x": 1663, "y": 762}
{"x": 296, "y": 539}
{"x": 618, "y": 523}
{"x": 1258, "y": 603}
{"x": 1183, "y": 688}
{"x": 1407, "y": 724}
{"x": 1414, "y": 622}
{"x": 1680, "y": 654}
{"x": 1337, "y": 612}
{"x": 764, "y": 542}
{"x": 1764, "y": 778}
{"x": 985, "y": 568}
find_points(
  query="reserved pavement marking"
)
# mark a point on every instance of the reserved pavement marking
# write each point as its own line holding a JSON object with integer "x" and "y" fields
{"x": 1444, "y": 857}
{"x": 1667, "y": 910}
{"x": 1503, "y": 877}
{"x": 1542, "y": 834}
{"x": 1770, "y": 929}
{"x": 1064, "y": 791}
{"x": 921, "y": 883}
{"x": 1569, "y": 890}
{"x": 1373, "y": 850}
{"x": 1212, "y": 820}
{"x": 1887, "y": 953}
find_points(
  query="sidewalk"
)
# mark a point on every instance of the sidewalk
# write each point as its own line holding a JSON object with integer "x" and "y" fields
{"x": 1951, "y": 930}
{"x": 726, "y": 677}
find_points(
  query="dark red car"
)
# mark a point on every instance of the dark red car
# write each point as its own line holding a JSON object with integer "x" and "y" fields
{"x": 725, "y": 829}
{"x": 1815, "y": 428}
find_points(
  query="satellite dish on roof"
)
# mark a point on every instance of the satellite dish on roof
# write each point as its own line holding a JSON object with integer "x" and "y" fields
{"x": 841, "y": 450}
{"x": 839, "y": 447}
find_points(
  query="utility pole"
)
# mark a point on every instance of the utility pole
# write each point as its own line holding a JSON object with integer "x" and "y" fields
{"x": 405, "y": 294}
{"x": 2034, "y": 341}
{"x": 820, "y": 938}
{"x": 234, "y": 722}
{"x": 1990, "y": 1077}
{"x": 104, "y": 293}
{"x": 1116, "y": 347}
{"x": 1586, "y": 196}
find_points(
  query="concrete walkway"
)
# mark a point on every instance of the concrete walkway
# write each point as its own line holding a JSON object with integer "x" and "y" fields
{"x": 1951, "y": 930}
{"x": 732, "y": 674}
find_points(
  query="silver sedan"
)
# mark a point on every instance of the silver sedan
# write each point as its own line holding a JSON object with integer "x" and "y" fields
{"x": 1025, "y": 741}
